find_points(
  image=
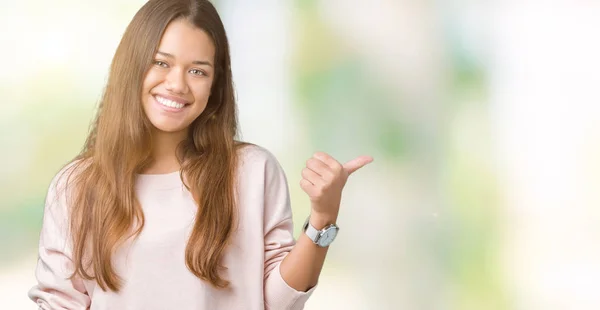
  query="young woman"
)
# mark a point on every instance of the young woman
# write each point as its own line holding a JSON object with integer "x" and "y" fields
{"x": 163, "y": 208}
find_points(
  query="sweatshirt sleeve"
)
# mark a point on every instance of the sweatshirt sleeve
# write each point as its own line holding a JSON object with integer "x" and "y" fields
{"x": 279, "y": 241}
{"x": 54, "y": 289}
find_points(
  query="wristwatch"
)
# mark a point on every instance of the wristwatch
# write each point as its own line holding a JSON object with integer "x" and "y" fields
{"x": 323, "y": 237}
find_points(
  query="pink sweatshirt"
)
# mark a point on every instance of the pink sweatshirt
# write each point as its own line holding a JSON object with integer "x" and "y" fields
{"x": 153, "y": 266}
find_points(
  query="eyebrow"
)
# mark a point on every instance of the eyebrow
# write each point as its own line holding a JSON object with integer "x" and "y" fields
{"x": 196, "y": 62}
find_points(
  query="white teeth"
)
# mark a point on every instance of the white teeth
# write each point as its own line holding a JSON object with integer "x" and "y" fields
{"x": 169, "y": 103}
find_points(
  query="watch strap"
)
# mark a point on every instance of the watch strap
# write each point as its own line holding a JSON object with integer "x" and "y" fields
{"x": 311, "y": 231}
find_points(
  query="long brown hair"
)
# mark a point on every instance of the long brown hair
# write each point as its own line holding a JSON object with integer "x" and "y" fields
{"x": 104, "y": 209}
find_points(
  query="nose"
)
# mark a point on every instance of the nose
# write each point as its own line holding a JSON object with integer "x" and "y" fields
{"x": 175, "y": 81}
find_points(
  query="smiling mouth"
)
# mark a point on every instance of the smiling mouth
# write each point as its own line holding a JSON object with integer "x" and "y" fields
{"x": 169, "y": 103}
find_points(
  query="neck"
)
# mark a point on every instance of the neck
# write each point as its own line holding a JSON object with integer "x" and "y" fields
{"x": 164, "y": 152}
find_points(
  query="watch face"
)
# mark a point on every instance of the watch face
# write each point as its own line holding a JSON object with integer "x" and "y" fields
{"x": 328, "y": 236}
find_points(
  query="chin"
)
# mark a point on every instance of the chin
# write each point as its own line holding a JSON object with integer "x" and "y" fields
{"x": 169, "y": 128}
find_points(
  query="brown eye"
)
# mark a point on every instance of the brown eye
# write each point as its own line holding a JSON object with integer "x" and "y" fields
{"x": 197, "y": 72}
{"x": 160, "y": 63}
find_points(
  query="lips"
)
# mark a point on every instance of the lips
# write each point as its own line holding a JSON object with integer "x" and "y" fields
{"x": 172, "y": 98}
{"x": 168, "y": 105}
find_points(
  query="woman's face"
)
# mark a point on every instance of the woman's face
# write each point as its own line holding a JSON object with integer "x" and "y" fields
{"x": 177, "y": 86}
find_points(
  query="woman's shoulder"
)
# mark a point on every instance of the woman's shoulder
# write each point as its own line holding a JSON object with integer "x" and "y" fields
{"x": 253, "y": 157}
{"x": 254, "y": 153}
{"x": 61, "y": 186}
{"x": 62, "y": 182}
{"x": 70, "y": 170}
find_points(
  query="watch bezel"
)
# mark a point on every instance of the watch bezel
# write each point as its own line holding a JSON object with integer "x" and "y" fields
{"x": 319, "y": 233}
{"x": 322, "y": 232}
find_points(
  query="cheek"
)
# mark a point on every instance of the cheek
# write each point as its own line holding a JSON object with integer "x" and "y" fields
{"x": 202, "y": 92}
{"x": 152, "y": 79}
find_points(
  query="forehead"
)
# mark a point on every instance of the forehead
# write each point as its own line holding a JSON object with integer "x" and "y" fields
{"x": 186, "y": 42}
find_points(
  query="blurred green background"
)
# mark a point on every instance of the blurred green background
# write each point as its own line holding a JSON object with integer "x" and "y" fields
{"x": 483, "y": 118}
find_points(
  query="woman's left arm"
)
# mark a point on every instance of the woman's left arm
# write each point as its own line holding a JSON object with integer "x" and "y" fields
{"x": 323, "y": 179}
